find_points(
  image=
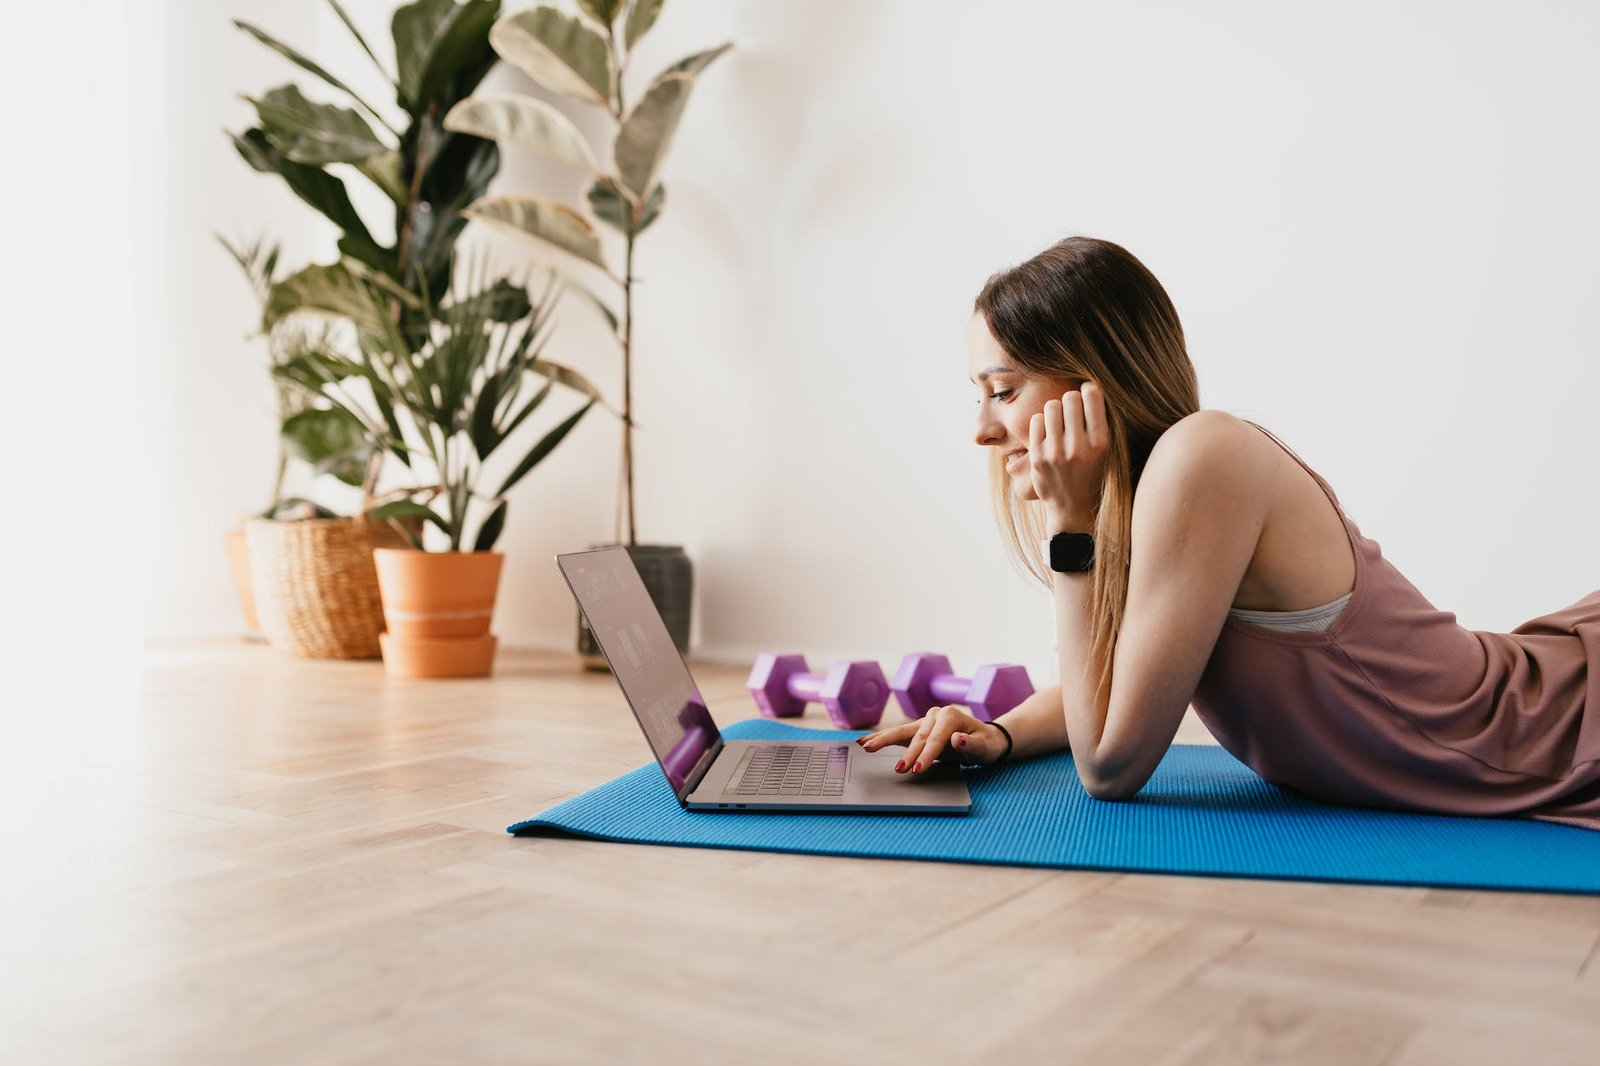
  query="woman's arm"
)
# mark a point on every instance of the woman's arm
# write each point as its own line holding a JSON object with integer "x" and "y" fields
{"x": 1197, "y": 518}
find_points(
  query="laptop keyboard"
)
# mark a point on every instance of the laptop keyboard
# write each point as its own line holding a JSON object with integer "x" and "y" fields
{"x": 789, "y": 770}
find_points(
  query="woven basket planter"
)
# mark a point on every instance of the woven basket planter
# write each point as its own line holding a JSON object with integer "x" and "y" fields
{"x": 316, "y": 587}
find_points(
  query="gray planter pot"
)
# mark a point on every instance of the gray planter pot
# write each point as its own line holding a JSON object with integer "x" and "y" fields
{"x": 669, "y": 578}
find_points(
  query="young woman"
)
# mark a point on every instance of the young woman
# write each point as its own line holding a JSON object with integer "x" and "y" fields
{"x": 1196, "y": 560}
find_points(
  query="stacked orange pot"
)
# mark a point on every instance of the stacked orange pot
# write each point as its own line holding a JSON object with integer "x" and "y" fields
{"x": 437, "y": 609}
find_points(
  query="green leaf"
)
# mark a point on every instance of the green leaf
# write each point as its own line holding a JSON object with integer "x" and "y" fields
{"x": 604, "y": 12}
{"x": 490, "y": 531}
{"x": 321, "y": 190}
{"x": 331, "y": 440}
{"x": 646, "y": 133}
{"x": 312, "y": 133}
{"x": 616, "y": 208}
{"x": 526, "y": 121}
{"x": 383, "y": 170}
{"x": 651, "y": 209}
{"x": 641, "y": 17}
{"x": 522, "y": 415}
{"x": 543, "y": 220}
{"x": 610, "y": 205}
{"x": 559, "y": 52}
{"x": 565, "y": 375}
{"x": 694, "y": 64}
{"x": 504, "y": 301}
{"x": 416, "y": 27}
{"x": 305, "y": 64}
{"x": 408, "y": 509}
{"x": 546, "y": 445}
{"x": 338, "y": 9}
{"x": 328, "y": 290}
{"x": 460, "y": 45}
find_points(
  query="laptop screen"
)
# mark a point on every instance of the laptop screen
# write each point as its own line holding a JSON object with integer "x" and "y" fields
{"x": 654, "y": 679}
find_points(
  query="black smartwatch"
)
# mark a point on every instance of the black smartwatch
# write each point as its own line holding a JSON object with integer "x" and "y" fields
{"x": 1070, "y": 553}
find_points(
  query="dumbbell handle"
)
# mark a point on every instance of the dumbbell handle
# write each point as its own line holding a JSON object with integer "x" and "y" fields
{"x": 950, "y": 688}
{"x": 807, "y": 687}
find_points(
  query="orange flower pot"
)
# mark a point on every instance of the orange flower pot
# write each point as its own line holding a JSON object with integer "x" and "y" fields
{"x": 233, "y": 542}
{"x": 437, "y": 656}
{"x": 437, "y": 608}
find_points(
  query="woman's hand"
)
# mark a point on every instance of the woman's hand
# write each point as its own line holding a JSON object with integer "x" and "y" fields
{"x": 1067, "y": 446}
{"x": 942, "y": 732}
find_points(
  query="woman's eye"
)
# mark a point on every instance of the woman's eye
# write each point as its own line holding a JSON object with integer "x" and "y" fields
{"x": 1000, "y": 395}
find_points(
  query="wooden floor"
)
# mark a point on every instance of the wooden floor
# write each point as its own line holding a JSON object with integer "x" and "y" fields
{"x": 268, "y": 860}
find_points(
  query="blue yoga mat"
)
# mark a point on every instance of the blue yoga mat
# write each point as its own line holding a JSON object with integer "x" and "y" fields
{"x": 1203, "y": 812}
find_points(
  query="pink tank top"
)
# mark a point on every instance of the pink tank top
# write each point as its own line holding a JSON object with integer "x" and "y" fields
{"x": 1396, "y": 705}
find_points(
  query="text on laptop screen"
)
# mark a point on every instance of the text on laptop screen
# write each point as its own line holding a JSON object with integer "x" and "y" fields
{"x": 647, "y": 665}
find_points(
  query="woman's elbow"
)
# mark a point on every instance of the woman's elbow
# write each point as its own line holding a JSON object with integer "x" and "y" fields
{"x": 1111, "y": 791}
{"x": 1110, "y": 785}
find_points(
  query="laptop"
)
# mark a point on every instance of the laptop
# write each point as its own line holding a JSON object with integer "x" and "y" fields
{"x": 706, "y": 772}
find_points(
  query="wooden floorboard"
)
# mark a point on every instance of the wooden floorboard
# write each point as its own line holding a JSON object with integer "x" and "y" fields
{"x": 258, "y": 859}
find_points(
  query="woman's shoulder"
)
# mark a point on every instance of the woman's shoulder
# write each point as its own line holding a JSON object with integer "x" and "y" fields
{"x": 1207, "y": 441}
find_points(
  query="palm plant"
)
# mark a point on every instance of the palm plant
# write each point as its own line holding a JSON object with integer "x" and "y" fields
{"x": 311, "y": 430}
{"x": 447, "y": 399}
{"x": 585, "y": 59}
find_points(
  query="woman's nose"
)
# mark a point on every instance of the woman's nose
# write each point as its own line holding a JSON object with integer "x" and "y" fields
{"x": 989, "y": 430}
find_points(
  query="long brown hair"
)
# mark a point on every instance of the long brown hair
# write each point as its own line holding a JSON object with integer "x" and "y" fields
{"x": 1086, "y": 308}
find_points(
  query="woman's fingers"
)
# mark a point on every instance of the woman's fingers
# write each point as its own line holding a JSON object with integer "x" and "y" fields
{"x": 1094, "y": 416}
{"x": 1073, "y": 432}
{"x": 935, "y": 743}
{"x": 925, "y": 739}
{"x": 900, "y": 734}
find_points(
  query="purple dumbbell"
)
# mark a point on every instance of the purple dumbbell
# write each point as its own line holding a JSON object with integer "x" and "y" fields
{"x": 853, "y": 693}
{"x": 925, "y": 681}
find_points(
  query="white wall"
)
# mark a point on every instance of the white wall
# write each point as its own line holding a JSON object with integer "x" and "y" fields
{"x": 1376, "y": 221}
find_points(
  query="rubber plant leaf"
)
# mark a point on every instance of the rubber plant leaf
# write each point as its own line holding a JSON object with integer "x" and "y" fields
{"x": 611, "y": 205}
{"x": 383, "y": 170}
{"x": 315, "y": 186}
{"x": 559, "y": 52}
{"x": 698, "y": 62}
{"x": 460, "y": 44}
{"x": 314, "y": 134}
{"x": 415, "y": 27}
{"x": 651, "y": 209}
{"x": 641, "y": 17}
{"x": 526, "y": 121}
{"x": 546, "y": 445}
{"x": 543, "y": 220}
{"x": 647, "y": 131}
{"x": 604, "y": 12}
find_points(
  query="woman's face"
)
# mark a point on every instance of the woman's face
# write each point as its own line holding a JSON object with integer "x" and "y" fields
{"x": 1008, "y": 398}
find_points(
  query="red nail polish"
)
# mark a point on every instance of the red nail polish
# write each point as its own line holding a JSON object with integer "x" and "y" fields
{"x": 901, "y": 765}
{"x": 917, "y": 769}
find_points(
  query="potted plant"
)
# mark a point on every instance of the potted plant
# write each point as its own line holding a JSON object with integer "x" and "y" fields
{"x": 585, "y": 59}
{"x": 451, "y": 398}
{"x": 314, "y": 582}
{"x": 321, "y": 437}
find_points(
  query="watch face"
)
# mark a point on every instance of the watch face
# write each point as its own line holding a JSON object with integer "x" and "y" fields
{"x": 1071, "y": 553}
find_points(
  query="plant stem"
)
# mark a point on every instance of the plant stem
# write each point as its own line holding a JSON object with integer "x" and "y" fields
{"x": 627, "y": 333}
{"x": 627, "y": 387}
